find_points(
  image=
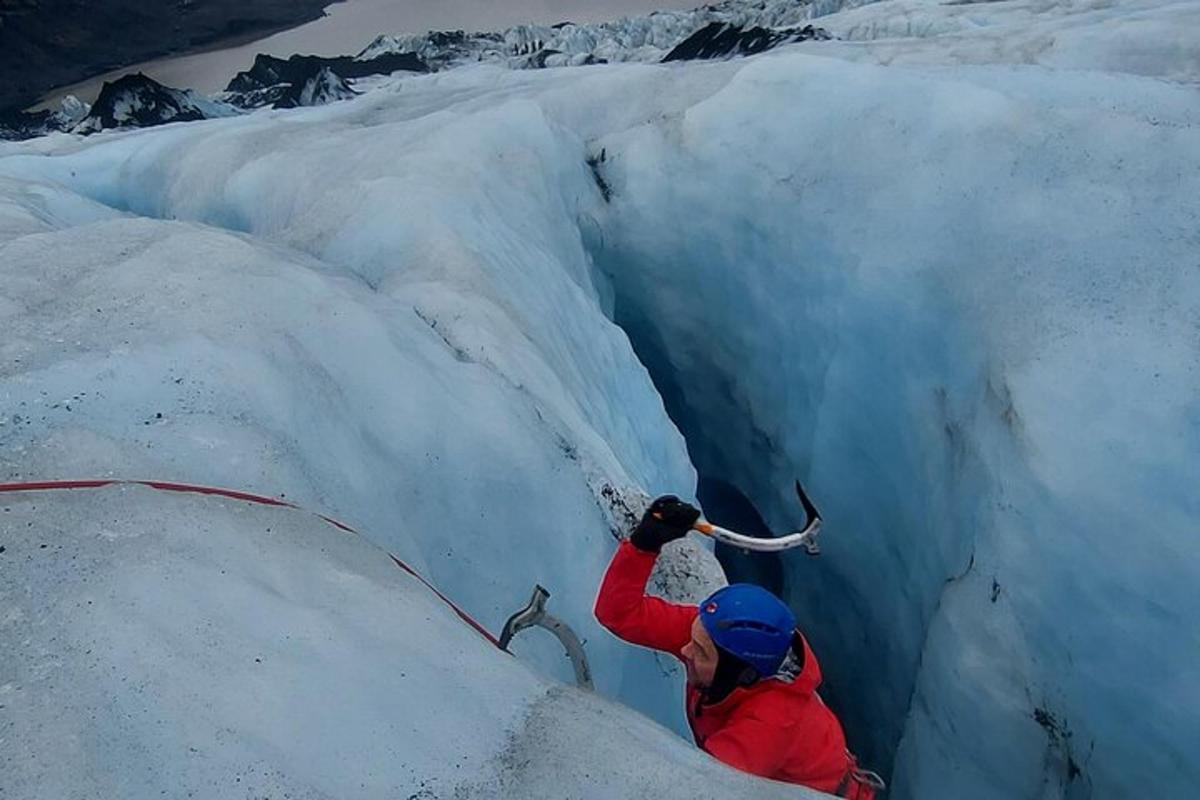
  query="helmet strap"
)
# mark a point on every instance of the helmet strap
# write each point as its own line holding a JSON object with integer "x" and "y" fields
{"x": 731, "y": 673}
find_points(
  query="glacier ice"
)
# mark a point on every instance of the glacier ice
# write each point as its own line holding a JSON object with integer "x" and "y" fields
{"x": 1140, "y": 37}
{"x": 422, "y": 413}
{"x": 943, "y": 270}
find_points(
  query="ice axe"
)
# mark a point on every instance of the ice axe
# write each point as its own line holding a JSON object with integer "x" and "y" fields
{"x": 535, "y": 614}
{"x": 806, "y": 537}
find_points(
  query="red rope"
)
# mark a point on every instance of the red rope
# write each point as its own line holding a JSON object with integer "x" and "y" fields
{"x": 166, "y": 486}
{"x": 465, "y": 616}
{"x": 40, "y": 487}
{"x": 230, "y": 493}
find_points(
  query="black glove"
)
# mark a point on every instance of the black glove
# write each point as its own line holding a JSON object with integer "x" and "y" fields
{"x": 667, "y": 519}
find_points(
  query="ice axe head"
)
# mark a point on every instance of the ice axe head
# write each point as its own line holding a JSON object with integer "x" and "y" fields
{"x": 813, "y": 521}
{"x": 806, "y": 537}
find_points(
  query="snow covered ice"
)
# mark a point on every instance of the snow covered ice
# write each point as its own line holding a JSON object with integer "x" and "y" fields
{"x": 943, "y": 269}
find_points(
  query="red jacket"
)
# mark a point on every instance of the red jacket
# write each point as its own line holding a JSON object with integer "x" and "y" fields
{"x": 774, "y": 728}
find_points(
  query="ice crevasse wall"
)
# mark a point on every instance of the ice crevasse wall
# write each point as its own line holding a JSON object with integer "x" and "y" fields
{"x": 962, "y": 308}
{"x": 960, "y": 305}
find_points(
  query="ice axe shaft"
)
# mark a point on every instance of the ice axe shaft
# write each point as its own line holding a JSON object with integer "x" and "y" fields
{"x": 806, "y": 537}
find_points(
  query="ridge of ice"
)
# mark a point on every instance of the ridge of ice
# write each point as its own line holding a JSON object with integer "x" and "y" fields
{"x": 638, "y": 38}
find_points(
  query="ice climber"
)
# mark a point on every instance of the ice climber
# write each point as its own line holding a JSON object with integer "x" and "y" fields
{"x": 752, "y": 679}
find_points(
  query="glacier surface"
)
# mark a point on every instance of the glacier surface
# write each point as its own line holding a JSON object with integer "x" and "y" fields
{"x": 944, "y": 270}
{"x": 432, "y": 399}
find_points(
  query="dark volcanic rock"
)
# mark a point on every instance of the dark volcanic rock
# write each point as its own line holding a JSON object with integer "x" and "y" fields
{"x": 298, "y": 70}
{"x": 444, "y": 49}
{"x": 48, "y": 43}
{"x": 22, "y": 125}
{"x": 325, "y": 87}
{"x": 19, "y": 125}
{"x": 132, "y": 101}
{"x": 258, "y": 98}
{"x": 135, "y": 101}
{"x": 723, "y": 40}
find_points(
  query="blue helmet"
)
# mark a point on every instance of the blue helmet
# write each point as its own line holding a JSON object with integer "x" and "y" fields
{"x": 751, "y": 623}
